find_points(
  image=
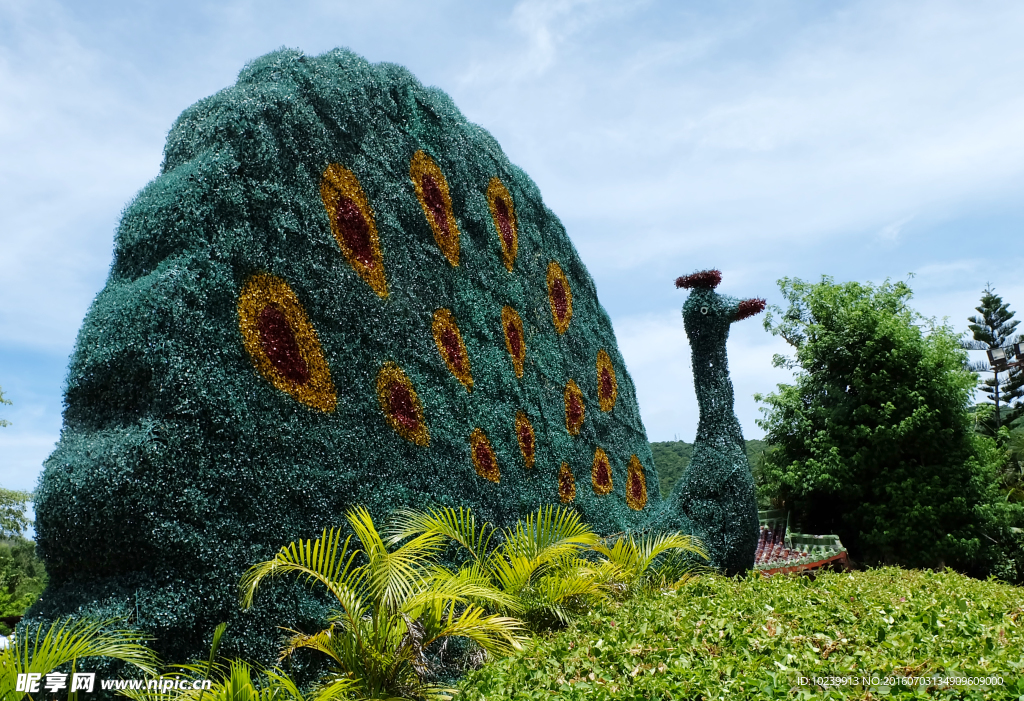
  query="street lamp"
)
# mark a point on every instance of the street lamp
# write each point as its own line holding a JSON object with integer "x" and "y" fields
{"x": 997, "y": 359}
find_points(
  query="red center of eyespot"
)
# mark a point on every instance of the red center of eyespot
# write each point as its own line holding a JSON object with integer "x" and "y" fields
{"x": 453, "y": 349}
{"x": 483, "y": 457}
{"x": 565, "y": 481}
{"x": 606, "y": 383}
{"x": 515, "y": 341}
{"x": 526, "y": 438}
{"x": 278, "y": 341}
{"x": 435, "y": 202}
{"x": 504, "y": 222}
{"x": 575, "y": 409}
{"x": 635, "y": 488}
{"x": 560, "y": 299}
{"x": 401, "y": 405}
{"x": 602, "y": 472}
{"x": 355, "y": 230}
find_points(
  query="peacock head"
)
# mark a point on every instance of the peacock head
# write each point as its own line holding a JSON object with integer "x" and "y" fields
{"x": 709, "y": 314}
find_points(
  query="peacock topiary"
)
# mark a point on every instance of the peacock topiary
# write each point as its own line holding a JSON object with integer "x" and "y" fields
{"x": 337, "y": 291}
{"x": 714, "y": 499}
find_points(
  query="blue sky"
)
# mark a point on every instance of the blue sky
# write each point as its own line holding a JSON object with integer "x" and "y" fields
{"x": 862, "y": 140}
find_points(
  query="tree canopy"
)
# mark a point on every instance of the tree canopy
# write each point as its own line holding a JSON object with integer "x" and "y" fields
{"x": 873, "y": 440}
{"x": 14, "y": 520}
{"x": 13, "y": 505}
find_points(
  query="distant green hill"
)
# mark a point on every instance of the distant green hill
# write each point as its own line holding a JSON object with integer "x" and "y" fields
{"x": 672, "y": 457}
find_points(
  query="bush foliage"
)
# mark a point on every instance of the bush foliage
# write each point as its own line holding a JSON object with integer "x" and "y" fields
{"x": 753, "y": 638}
{"x": 22, "y": 578}
{"x": 873, "y": 440}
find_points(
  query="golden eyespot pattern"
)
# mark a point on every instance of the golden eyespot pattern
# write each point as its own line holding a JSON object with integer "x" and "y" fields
{"x": 485, "y": 462}
{"x": 527, "y": 438}
{"x": 574, "y": 408}
{"x": 607, "y": 384}
{"x": 601, "y": 473}
{"x": 566, "y": 484}
{"x": 503, "y": 213}
{"x": 282, "y": 344}
{"x": 451, "y": 346}
{"x": 515, "y": 341}
{"x": 353, "y": 226}
{"x": 432, "y": 192}
{"x": 559, "y": 297}
{"x": 636, "y": 485}
{"x": 401, "y": 405}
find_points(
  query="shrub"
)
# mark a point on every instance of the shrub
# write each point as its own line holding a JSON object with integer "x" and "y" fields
{"x": 754, "y": 638}
{"x": 873, "y": 440}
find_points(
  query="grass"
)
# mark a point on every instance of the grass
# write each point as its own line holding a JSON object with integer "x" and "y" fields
{"x": 754, "y": 638}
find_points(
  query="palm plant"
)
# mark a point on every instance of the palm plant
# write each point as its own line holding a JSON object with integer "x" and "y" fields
{"x": 663, "y": 560}
{"x": 542, "y": 563}
{"x": 232, "y": 681}
{"x": 396, "y": 607}
{"x": 65, "y": 642}
{"x": 537, "y": 564}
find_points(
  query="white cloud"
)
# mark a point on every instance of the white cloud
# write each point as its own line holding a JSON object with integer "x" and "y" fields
{"x": 890, "y": 233}
{"x": 865, "y": 140}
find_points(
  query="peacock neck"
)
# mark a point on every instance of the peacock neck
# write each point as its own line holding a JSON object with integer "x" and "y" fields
{"x": 718, "y": 423}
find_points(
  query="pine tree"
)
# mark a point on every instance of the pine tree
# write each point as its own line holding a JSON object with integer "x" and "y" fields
{"x": 994, "y": 329}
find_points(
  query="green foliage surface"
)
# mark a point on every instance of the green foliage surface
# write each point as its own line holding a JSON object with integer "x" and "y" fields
{"x": 22, "y": 578}
{"x": 873, "y": 440}
{"x": 753, "y": 638}
{"x": 672, "y": 457}
{"x": 179, "y": 464}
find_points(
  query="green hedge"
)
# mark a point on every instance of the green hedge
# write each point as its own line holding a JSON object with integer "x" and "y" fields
{"x": 754, "y": 638}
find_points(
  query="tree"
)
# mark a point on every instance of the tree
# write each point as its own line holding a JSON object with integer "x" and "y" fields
{"x": 992, "y": 329}
{"x": 873, "y": 440}
{"x": 14, "y": 518}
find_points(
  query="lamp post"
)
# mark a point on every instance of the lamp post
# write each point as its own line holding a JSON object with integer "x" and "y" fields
{"x": 1000, "y": 358}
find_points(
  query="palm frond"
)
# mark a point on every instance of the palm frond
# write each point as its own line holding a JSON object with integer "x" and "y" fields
{"x": 549, "y": 534}
{"x": 471, "y": 584}
{"x": 514, "y": 572}
{"x": 392, "y": 576}
{"x": 458, "y": 525}
{"x": 560, "y": 588}
{"x": 629, "y": 562}
{"x": 325, "y": 561}
{"x": 495, "y": 634}
{"x": 66, "y": 641}
{"x": 339, "y": 688}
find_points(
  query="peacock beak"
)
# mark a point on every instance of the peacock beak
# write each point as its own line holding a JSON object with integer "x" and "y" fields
{"x": 748, "y": 308}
